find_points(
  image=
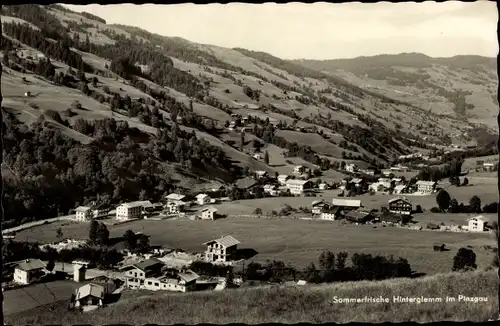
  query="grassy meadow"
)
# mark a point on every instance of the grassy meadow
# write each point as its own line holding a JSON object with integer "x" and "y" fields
{"x": 293, "y": 241}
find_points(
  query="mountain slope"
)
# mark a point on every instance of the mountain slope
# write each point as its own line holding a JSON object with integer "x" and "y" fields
{"x": 462, "y": 86}
{"x": 160, "y": 107}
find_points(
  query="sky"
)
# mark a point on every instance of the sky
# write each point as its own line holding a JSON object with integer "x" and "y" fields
{"x": 321, "y": 30}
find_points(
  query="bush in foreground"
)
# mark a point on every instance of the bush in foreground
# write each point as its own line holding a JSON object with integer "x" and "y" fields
{"x": 294, "y": 304}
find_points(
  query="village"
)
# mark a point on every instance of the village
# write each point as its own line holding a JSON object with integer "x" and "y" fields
{"x": 165, "y": 269}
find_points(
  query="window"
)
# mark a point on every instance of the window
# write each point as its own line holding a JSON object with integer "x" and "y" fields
{"x": 149, "y": 282}
{"x": 157, "y": 284}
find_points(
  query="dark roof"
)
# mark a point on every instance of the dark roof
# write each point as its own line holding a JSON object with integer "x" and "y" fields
{"x": 358, "y": 216}
{"x": 144, "y": 265}
{"x": 30, "y": 265}
{"x": 330, "y": 209}
{"x": 245, "y": 183}
{"x": 388, "y": 217}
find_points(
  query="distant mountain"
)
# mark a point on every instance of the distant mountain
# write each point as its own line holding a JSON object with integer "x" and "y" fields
{"x": 135, "y": 114}
{"x": 463, "y": 86}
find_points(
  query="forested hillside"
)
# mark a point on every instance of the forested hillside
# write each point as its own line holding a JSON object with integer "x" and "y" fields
{"x": 110, "y": 111}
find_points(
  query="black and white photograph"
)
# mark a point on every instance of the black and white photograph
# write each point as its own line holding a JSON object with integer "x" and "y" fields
{"x": 249, "y": 163}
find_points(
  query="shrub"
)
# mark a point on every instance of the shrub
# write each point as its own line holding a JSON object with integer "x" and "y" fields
{"x": 435, "y": 210}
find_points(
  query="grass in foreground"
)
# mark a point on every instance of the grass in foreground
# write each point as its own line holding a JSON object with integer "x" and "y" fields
{"x": 295, "y": 304}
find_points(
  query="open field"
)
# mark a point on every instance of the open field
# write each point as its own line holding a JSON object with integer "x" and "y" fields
{"x": 292, "y": 240}
{"x": 311, "y": 304}
{"x": 32, "y": 296}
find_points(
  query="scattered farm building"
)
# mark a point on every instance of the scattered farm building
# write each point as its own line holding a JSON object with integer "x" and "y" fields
{"x": 203, "y": 199}
{"x": 208, "y": 213}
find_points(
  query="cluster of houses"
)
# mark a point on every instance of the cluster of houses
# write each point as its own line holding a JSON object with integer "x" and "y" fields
{"x": 149, "y": 274}
{"x": 398, "y": 211}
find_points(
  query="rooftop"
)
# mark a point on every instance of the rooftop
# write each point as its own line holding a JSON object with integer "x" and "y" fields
{"x": 175, "y": 197}
{"x": 346, "y": 202}
{"x": 297, "y": 182}
{"x": 30, "y": 265}
{"x": 144, "y": 203}
{"x": 226, "y": 241}
{"x": 90, "y": 289}
{"x": 82, "y": 209}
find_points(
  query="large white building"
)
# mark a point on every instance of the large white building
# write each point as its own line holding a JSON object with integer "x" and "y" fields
{"x": 297, "y": 187}
{"x": 477, "y": 224}
{"x": 426, "y": 187}
{"x": 83, "y": 213}
{"x": 131, "y": 210}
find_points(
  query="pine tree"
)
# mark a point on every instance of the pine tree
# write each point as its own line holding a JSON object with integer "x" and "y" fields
{"x": 94, "y": 225}
{"x": 266, "y": 158}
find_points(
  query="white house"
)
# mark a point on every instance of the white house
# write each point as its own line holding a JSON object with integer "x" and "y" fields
{"x": 297, "y": 187}
{"x": 272, "y": 190}
{"x": 203, "y": 199}
{"x": 323, "y": 186}
{"x": 299, "y": 169}
{"x": 83, "y": 213}
{"x": 131, "y": 210}
{"x": 90, "y": 295}
{"x": 260, "y": 174}
{"x": 222, "y": 249}
{"x": 351, "y": 167}
{"x": 175, "y": 207}
{"x": 283, "y": 178}
{"x": 477, "y": 224}
{"x": 330, "y": 213}
{"x": 29, "y": 271}
{"x": 317, "y": 206}
{"x": 182, "y": 281}
{"x": 425, "y": 187}
{"x": 208, "y": 213}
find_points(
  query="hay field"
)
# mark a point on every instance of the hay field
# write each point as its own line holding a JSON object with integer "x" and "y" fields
{"x": 294, "y": 241}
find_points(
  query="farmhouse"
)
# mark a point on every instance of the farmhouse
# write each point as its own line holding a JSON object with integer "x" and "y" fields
{"x": 426, "y": 187}
{"x": 400, "y": 206}
{"x": 330, "y": 213}
{"x": 100, "y": 210}
{"x": 397, "y": 181}
{"x": 297, "y": 187}
{"x": 203, "y": 199}
{"x": 182, "y": 281}
{"x": 318, "y": 205}
{"x": 283, "y": 178}
{"x": 222, "y": 249}
{"x": 90, "y": 295}
{"x": 175, "y": 207}
{"x": 132, "y": 210}
{"x": 29, "y": 271}
{"x": 477, "y": 224}
{"x": 136, "y": 274}
{"x": 208, "y": 213}
{"x": 359, "y": 216}
{"x": 358, "y": 182}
